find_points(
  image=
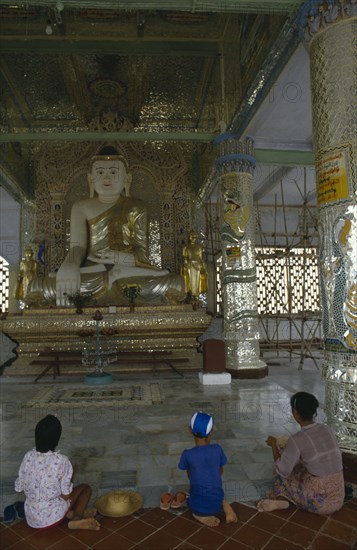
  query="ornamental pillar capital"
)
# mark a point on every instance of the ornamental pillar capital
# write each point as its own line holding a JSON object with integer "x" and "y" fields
{"x": 234, "y": 155}
{"x": 315, "y": 16}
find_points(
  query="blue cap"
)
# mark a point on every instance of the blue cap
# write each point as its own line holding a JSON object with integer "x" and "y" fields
{"x": 201, "y": 424}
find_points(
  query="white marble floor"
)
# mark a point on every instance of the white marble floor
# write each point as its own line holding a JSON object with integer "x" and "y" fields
{"x": 138, "y": 447}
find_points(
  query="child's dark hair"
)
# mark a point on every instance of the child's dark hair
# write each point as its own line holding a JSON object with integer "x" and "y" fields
{"x": 47, "y": 434}
{"x": 306, "y": 404}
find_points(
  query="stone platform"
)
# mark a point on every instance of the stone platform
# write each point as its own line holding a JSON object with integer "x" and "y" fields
{"x": 161, "y": 328}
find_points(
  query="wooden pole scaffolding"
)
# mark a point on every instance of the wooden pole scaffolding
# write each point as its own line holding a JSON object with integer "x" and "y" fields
{"x": 287, "y": 259}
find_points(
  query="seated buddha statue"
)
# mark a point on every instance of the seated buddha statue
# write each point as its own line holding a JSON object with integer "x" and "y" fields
{"x": 108, "y": 244}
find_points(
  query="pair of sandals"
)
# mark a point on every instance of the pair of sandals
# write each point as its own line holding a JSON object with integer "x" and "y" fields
{"x": 13, "y": 512}
{"x": 168, "y": 500}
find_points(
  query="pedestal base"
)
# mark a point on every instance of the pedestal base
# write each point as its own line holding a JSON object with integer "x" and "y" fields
{"x": 171, "y": 328}
{"x": 98, "y": 379}
{"x": 349, "y": 461}
{"x": 214, "y": 379}
{"x": 249, "y": 373}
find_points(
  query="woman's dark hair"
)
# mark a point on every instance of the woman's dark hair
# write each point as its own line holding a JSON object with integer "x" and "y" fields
{"x": 306, "y": 404}
{"x": 47, "y": 434}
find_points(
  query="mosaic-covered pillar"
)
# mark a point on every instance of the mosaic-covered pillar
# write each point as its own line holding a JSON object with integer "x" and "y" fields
{"x": 28, "y": 223}
{"x": 167, "y": 235}
{"x": 329, "y": 31}
{"x": 235, "y": 165}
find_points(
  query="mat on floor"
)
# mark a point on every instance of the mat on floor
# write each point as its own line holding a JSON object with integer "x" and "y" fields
{"x": 115, "y": 395}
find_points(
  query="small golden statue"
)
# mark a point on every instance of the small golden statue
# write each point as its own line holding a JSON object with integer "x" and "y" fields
{"x": 193, "y": 267}
{"x": 27, "y": 272}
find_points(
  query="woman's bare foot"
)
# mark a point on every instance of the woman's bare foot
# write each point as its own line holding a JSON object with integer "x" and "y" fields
{"x": 268, "y": 505}
{"x": 209, "y": 521}
{"x": 231, "y": 516}
{"x": 70, "y": 514}
{"x": 85, "y": 523}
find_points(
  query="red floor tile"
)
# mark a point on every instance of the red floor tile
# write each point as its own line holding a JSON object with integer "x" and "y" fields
{"x": 157, "y": 517}
{"x": 22, "y": 529}
{"x": 90, "y": 537}
{"x": 244, "y": 513}
{"x": 285, "y": 514}
{"x": 183, "y": 546}
{"x": 308, "y": 519}
{"x": 234, "y": 545}
{"x": 114, "y": 524}
{"x": 181, "y": 528}
{"x": 228, "y": 529}
{"x": 340, "y": 531}
{"x": 44, "y": 539}
{"x": 114, "y": 541}
{"x": 159, "y": 540}
{"x": 207, "y": 538}
{"x": 69, "y": 543}
{"x": 267, "y": 522}
{"x": 24, "y": 545}
{"x": 252, "y": 536}
{"x": 277, "y": 543}
{"x": 323, "y": 542}
{"x": 346, "y": 515}
{"x": 7, "y": 538}
{"x": 137, "y": 531}
{"x": 297, "y": 534}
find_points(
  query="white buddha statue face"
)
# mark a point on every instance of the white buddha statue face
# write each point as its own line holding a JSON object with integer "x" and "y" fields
{"x": 108, "y": 178}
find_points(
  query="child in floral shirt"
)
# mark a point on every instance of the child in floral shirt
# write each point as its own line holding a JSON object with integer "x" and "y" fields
{"x": 45, "y": 476}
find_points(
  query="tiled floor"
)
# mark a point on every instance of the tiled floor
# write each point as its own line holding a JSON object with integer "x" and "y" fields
{"x": 137, "y": 447}
{"x": 154, "y": 529}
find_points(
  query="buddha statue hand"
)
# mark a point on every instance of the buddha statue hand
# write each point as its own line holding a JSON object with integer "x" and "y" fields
{"x": 68, "y": 282}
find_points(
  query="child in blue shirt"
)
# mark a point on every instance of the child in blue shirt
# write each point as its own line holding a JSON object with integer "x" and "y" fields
{"x": 204, "y": 465}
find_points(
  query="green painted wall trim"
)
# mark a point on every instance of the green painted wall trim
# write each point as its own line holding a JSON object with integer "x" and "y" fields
{"x": 228, "y": 6}
{"x": 284, "y": 157}
{"x": 66, "y": 45}
{"x": 107, "y": 136}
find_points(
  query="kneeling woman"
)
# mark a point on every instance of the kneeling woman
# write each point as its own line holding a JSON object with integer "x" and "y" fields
{"x": 309, "y": 469}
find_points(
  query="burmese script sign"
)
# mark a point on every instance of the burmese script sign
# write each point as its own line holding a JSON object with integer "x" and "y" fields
{"x": 331, "y": 177}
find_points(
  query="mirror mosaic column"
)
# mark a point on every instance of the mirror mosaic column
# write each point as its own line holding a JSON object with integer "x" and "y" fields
{"x": 235, "y": 164}
{"x": 329, "y": 32}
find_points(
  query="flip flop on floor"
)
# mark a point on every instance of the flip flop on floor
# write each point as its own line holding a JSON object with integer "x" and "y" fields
{"x": 9, "y": 514}
{"x": 179, "y": 500}
{"x": 165, "y": 500}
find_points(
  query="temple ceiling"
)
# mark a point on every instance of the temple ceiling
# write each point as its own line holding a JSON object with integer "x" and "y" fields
{"x": 174, "y": 74}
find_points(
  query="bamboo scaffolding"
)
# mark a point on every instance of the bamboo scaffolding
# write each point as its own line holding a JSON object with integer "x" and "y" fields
{"x": 302, "y": 327}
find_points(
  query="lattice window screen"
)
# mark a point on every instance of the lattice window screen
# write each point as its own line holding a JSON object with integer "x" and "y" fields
{"x": 4, "y": 285}
{"x": 287, "y": 281}
{"x": 272, "y": 289}
{"x": 304, "y": 280}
